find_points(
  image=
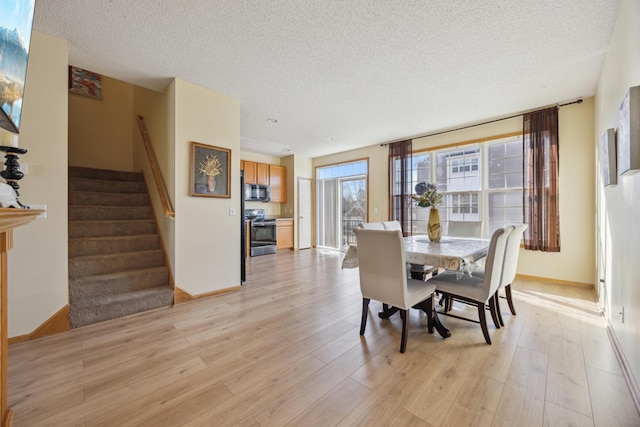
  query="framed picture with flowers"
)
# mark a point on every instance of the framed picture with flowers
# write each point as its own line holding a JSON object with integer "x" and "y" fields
{"x": 210, "y": 171}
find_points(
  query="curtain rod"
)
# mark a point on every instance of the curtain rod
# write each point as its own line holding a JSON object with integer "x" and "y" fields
{"x": 579, "y": 101}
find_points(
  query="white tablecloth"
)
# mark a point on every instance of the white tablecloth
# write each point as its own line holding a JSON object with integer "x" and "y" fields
{"x": 463, "y": 255}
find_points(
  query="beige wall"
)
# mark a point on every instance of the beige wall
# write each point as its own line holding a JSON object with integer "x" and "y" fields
{"x": 208, "y": 244}
{"x": 158, "y": 112}
{"x": 618, "y": 206}
{"x": 99, "y": 130}
{"x": 575, "y": 262}
{"x": 38, "y": 274}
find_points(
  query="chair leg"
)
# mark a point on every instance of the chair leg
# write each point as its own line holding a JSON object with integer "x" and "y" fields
{"x": 405, "y": 330}
{"x": 492, "y": 310}
{"x": 483, "y": 322}
{"x": 431, "y": 309}
{"x": 365, "y": 312}
{"x": 507, "y": 291}
{"x": 497, "y": 300}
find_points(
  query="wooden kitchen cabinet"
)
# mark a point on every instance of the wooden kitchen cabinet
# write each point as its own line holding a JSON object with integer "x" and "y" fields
{"x": 262, "y": 174}
{"x": 284, "y": 234}
{"x": 278, "y": 183}
{"x": 274, "y": 176}
{"x": 250, "y": 174}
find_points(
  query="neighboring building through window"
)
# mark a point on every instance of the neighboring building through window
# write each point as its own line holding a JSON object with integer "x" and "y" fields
{"x": 481, "y": 184}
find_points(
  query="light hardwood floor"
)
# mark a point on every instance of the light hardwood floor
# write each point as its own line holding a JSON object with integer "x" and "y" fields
{"x": 285, "y": 351}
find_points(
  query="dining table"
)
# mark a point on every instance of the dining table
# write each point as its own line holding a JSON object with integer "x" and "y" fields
{"x": 427, "y": 257}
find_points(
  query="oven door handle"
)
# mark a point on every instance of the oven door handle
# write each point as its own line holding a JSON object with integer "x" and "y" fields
{"x": 262, "y": 225}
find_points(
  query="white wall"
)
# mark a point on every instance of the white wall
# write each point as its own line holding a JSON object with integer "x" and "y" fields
{"x": 619, "y": 206}
{"x": 38, "y": 273}
{"x": 208, "y": 238}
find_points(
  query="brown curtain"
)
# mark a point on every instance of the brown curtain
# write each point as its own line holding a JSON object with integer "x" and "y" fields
{"x": 541, "y": 166}
{"x": 400, "y": 184}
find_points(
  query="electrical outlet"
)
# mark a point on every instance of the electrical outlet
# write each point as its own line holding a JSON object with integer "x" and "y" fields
{"x": 622, "y": 314}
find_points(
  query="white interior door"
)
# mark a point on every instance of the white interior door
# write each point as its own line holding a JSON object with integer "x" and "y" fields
{"x": 304, "y": 213}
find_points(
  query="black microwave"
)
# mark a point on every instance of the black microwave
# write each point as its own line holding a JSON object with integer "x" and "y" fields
{"x": 257, "y": 193}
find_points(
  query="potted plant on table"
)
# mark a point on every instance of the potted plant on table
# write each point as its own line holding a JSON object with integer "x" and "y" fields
{"x": 428, "y": 196}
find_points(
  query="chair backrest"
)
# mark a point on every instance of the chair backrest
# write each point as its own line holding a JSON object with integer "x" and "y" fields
{"x": 511, "y": 254}
{"x": 495, "y": 261}
{"x": 464, "y": 228}
{"x": 381, "y": 262}
{"x": 371, "y": 225}
{"x": 391, "y": 225}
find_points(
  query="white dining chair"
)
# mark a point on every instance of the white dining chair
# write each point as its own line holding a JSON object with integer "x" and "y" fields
{"x": 464, "y": 228}
{"x": 371, "y": 225}
{"x": 509, "y": 267}
{"x": 383, "y": 278}
{"x": 474, "y": 290}
{"x": 392, "y": 225}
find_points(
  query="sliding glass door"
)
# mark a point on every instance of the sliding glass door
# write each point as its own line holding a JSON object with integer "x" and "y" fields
{"x": 341, "y": 203}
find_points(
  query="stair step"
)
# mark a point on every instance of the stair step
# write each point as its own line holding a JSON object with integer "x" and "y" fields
{"x": 111, "y": 228}
{"x": 105, "y": 186}
{"x": 83, "y": 246}
{"x": 94, "y": 198}
{"x": 92, "y": 265}
{"x": 117, "y": 266}
{"x": 109, "y": 213}
{"x": 104, "y": 174}
{"x": 112, "y": 307}
{"x": 84, "y": 290}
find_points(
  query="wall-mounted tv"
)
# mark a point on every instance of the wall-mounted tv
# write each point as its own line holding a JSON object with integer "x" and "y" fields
{"x": 16, "y": 21}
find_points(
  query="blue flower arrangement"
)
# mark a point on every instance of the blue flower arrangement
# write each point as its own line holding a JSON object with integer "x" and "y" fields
{"x": 427, "y": 195}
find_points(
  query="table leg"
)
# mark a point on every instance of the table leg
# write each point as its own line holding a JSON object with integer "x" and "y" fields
{"x": 387, "y": 311}
{"x": 442, "y": 330}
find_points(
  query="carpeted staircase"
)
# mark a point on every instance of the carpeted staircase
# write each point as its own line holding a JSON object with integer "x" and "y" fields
{"x": 116, "y": 262}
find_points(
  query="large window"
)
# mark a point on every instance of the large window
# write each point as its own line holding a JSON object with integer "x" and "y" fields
{"x": 481, "y": 186}
{"x": 341, "y": 203}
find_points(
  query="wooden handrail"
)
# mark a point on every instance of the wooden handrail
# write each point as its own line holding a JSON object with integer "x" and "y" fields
{"x": 155, "y": 170}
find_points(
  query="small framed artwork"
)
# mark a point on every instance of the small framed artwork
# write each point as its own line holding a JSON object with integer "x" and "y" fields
{"x": 210, "y": 171}
{"x": 609, "y": 172}
{"x": 85, "y": 82}
{"x": 629, "y": 133}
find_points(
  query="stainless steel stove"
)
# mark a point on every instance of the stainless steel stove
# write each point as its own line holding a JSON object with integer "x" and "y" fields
{"x": 263, "y": 232}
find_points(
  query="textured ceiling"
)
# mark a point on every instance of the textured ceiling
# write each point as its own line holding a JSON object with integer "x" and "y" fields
{"x": 339, "y": 75}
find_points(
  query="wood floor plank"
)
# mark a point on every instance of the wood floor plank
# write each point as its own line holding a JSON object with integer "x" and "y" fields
{"x": 286, "y": 350}
{"x": 476, "y": 402}
{"x": 334, "y": 406}
{"x": 613, "y": 405}
{"x": 522, "y": 400}
{"x": 555, "y": 415}
{"x": 567, "y": 384}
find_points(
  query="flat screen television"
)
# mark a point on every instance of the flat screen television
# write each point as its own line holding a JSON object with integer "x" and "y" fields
{"x": 16, "y": 21}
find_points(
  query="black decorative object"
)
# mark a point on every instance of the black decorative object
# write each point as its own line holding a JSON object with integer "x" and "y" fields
{"x": 12, "y": 173}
